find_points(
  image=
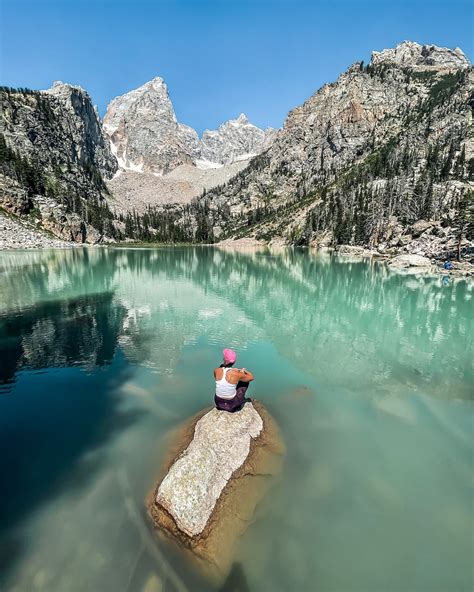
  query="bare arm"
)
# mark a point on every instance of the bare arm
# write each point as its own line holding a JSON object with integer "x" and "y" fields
{"x": 245, "y": 375}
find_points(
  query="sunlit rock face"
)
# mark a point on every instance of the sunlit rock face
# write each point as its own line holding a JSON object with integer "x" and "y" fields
{"x": 407, "y": 261}
{"x": 84, "y": 124}
{"x": 61, "y": 128}
{"x": 146, "y": 136}
{"x": 236, "y": 139}
{"x": 385, "y": 145}
{"x": 144, "y": 132}
{"x": 413, "y": 54}
{"x": 220, "y": 445}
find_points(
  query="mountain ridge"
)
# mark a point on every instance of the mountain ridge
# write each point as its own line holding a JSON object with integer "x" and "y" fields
{"x": 368, "y": 160}
{"x": 408, "y": 116}
{"x": 146, "y": 135}
{"x": 54, "y": 161}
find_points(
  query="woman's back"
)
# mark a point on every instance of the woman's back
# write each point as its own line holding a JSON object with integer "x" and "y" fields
{"x": 231, "y": 383}
{"x": 226, "y": 385}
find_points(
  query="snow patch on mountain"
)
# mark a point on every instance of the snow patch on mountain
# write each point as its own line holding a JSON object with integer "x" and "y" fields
{"x": 146, "y": 136}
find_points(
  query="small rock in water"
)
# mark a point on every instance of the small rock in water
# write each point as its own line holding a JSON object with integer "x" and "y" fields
{"x": 222, "y": 467}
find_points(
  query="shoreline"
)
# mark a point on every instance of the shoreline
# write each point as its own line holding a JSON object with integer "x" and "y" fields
{"x": 18, "y": 234}
{"x": 22, "y": 236}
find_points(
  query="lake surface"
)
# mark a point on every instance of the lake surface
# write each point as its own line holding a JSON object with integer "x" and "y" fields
{"x": 369, "y": 374}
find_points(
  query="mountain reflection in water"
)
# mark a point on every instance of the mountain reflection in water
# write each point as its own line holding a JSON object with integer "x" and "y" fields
{"x": 369, "y": 374}
{"x": 70, "y": 332}
{"x": 74, "y": 306}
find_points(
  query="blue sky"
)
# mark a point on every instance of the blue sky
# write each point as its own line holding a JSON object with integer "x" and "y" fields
{"x": 219, "y": 57}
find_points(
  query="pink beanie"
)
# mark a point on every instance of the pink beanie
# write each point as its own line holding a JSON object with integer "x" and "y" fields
{"x": 229, "y": 356}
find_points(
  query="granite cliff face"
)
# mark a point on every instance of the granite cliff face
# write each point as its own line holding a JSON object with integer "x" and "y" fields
{"x": 85, "y": 128}
{"x": 363, "y": 159}
{"x": 55, "y": 159}
{"x": 144, "y": 132}
{"x": 146, "y": 136}
{"x": 414, "y": 55}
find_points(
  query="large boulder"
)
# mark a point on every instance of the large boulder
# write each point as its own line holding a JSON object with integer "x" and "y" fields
{"x": 421, "y": 226}
{"x": 410, "y": 261}
{"x": 221, "y": 467}
{"x": 355, "y": 251}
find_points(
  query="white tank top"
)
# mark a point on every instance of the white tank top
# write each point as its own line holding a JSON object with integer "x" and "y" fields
{"x": 224, "y": 389}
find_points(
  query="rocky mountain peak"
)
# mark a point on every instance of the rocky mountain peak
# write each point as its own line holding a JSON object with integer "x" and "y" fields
{"x": 236, "y": 139}
{"x": 69, "y": 94}
{"x": 57, "y": 134}
{"x": 59, "y": 85}
{"x": 243, "y": 119}
{"x": 412, "y": 54}
{"x": 85, "y": 124}
{"x": 145, "y": 134}
{"x": 157, "y": 83}
{"x": 373, "y": 152}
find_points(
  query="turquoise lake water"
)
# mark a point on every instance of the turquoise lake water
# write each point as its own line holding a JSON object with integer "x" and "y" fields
{"x": 368, "y": 373}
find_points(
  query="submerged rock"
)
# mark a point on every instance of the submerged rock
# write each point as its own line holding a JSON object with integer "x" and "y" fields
{"x": 222, "y": 467}
{"x": 194, "y": 483}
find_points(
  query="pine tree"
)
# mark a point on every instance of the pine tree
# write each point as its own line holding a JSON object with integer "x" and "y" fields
{"x": 448, "y": 163}
{"x": 427, "y": 209}
{"x": 460, "y": 164}
{"x": 464, "y": 220}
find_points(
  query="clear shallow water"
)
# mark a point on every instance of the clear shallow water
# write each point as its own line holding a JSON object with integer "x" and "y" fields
{"x": 369, "y": 374}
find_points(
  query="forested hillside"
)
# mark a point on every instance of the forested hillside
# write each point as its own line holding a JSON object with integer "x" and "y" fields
{"x": 382, "y": 158}
{"x": 54, "y": 161}
{"x": 364, "y": 159}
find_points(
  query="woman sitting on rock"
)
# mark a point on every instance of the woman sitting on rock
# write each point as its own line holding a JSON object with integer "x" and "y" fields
{"x": 231, "y": 383}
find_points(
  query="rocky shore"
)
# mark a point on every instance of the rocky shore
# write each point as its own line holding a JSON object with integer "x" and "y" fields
{"x": 20, "y": 233}
{"x": 17, "y": 233}
{"x": 409, "y": 263}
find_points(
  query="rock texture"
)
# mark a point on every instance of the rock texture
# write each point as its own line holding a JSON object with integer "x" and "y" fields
{"x": 89, "y": 144}
{"x": 144, "y": 132}
{"x": 18, "y": 233}
{"x": 406, "y": 261}
{"x": 364, "y": 159}
{"x": 221, "y": 444}
{"x": 53, "y": 152}
{"x": 146, "y": 136}
{"x": 414, "y": 55}
{"x": 138, "y": 191}
{"x": 221, "y": 468}
{"x": 236, "y": 139}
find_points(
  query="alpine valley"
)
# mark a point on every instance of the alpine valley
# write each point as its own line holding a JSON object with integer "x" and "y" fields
{"x": 382, "y": 159}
